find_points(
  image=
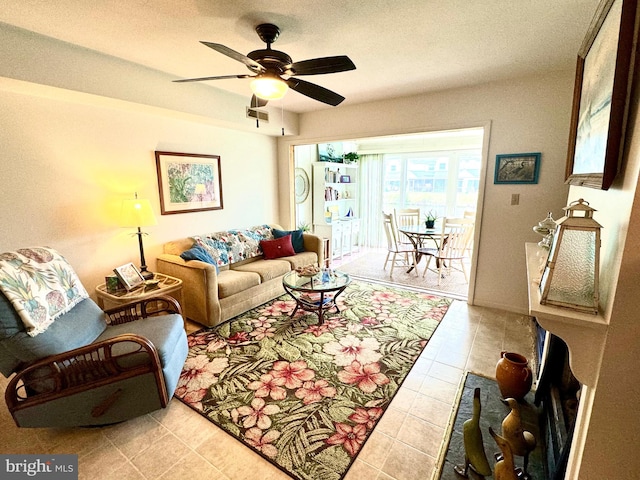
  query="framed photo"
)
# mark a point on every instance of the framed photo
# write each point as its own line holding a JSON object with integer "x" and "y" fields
{"x": 330, "y": 152}
{"x": 345, "y": 178}
{"x": 129, "y": 276}
{"x": 188, "y": 182}
{"x": 601, "y": 96}
{"x": 517, "y": 168}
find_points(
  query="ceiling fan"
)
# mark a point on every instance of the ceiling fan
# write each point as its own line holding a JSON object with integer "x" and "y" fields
{"x": 275, "y": 72}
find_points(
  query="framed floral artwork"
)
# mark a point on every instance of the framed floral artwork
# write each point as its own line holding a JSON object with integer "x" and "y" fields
{"x": 188, "y": 182}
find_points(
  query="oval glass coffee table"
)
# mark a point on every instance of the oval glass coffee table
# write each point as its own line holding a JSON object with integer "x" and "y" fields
{"x": 317, "y": 293}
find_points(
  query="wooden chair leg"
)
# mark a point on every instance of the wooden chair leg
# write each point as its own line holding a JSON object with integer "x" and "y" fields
{"x": 386, "y": 260}
{"x": 426, "y": 267}
{"x": 393, "y": 264}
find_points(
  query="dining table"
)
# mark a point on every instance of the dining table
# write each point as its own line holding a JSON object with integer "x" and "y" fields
{"x": 419, "y": 236}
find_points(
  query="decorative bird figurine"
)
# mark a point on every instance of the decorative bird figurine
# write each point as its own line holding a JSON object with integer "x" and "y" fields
{"x": 474, "y": 455}
{"x": 504, "y": 468}
{"x": 521, "y": 441}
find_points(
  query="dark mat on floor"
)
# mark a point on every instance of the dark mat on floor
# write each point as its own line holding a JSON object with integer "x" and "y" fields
{"x": 493, "y": 412}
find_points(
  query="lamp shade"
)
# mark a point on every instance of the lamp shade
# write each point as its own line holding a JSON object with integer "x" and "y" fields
{"x": 570, "y": 277}
{"x": 269, "y": 87}
{"x": 137, "y": 213}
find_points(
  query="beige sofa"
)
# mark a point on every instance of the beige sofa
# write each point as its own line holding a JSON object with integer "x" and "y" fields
{"x": 212, "y": 297}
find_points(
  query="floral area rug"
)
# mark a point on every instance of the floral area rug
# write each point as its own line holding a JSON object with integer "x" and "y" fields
{"x": 307, "y": 396}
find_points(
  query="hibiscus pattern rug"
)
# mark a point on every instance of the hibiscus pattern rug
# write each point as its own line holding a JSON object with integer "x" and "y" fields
{"x": 307, "y": 396}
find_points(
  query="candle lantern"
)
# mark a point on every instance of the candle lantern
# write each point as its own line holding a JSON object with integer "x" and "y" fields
{"x": 570, "y": 277}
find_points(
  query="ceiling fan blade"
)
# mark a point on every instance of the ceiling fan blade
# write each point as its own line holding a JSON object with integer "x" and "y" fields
{"x": 219, "y": 77}
{"x": 316, "y": 66}
{"x": 253, "y": 65}
{"x": 314, "y": 91}
{"x": 257, "y": 102}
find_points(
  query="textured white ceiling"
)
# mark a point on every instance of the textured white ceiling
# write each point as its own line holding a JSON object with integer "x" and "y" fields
{"x": 399, "y": 47}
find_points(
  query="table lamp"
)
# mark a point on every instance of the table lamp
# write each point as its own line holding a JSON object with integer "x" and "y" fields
{"x": 137, "y": 213}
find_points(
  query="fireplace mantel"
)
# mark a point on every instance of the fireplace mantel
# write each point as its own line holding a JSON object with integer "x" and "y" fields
{"x": 583, "y": 333}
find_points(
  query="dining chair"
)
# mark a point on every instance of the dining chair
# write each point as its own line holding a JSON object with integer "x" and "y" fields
{"x": 455, "y": 238}
{"x": 406, "y": 217}
{"x": 395, "y": 248}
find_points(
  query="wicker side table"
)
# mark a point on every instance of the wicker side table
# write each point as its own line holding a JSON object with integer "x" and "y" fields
{"x": 167, "y": 286}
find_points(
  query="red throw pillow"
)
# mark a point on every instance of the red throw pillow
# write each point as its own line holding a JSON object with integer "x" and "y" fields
{"x": 280, "y": 247}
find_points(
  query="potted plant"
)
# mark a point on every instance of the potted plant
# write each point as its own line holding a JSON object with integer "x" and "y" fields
{"x": 351, "y": 157}
{"x": 430, "y": 219}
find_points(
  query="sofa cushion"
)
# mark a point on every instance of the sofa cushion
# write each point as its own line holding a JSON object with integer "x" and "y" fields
{"x": 296, "y": 238}
{"x": 279, "y": 247}
{"x": 198, "y": 252}
{"x": 231, "y": 282}
{"x": 302, "y": 259}
{"x": 267, "y": 269}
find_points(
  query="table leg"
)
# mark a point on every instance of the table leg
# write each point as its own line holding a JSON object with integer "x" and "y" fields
{"x": 416, "y": 256}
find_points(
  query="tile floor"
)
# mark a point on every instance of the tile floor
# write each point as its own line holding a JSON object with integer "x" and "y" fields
{"x": 176, "y": 443}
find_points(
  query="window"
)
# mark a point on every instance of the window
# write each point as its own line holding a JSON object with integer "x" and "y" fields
{"x": 445, "y": 182}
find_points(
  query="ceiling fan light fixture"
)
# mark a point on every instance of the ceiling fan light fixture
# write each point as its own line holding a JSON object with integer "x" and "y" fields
{"x": 269, "y": 88}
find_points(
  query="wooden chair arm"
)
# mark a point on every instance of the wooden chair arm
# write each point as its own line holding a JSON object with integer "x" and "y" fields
{"x": 129, "y": 312}
{"x": 83, "y": 369}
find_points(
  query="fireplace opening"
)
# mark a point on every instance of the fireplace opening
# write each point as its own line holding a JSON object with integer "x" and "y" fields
{"x": 558, "y": 392}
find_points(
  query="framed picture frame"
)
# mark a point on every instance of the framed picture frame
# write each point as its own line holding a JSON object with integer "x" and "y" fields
{"x": 517, "y": 168}
{"x": 345, "y": 178}
{"x": 129, "y": 276}
{"x": 330, "y": 152}
{"x": 188, "y": 182}
{"x": 601, "y": 96}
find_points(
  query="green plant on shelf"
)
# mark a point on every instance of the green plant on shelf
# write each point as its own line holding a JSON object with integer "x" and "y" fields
{"x": 351, "y": 157}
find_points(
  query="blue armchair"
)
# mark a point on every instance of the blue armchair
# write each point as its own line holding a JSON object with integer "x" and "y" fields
{"x": 92, "y": 367}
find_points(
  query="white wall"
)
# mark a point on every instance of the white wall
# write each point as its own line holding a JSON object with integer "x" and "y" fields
{"x": 78, "y": 134}
{"x": 67, "y": 164}
{"x": 526, "y": 115}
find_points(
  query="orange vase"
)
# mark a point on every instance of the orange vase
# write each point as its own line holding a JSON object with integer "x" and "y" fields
{"x": 513, "y": 375}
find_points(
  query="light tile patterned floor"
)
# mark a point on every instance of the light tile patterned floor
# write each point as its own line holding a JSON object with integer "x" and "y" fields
{"x": 176, "y": 443}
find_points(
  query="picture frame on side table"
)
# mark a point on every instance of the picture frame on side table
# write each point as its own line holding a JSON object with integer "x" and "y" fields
{"x": 188, "y": 182}
{"x": 129, "y": 276}
{"x": 517, "y": 168}
{"x": 601, "y": 96}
